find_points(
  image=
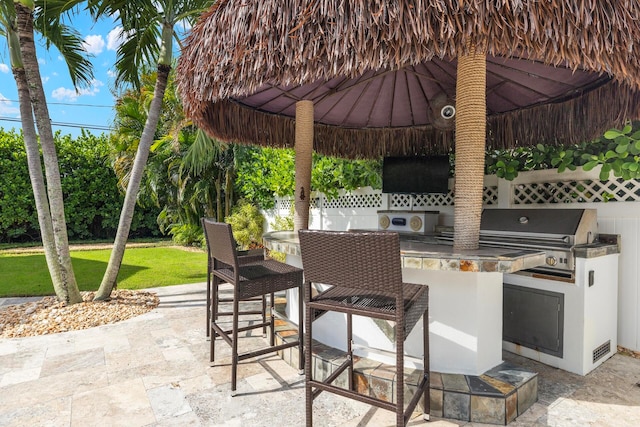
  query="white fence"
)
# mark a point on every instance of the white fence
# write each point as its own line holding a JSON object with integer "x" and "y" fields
{"x": 617, "y": 202}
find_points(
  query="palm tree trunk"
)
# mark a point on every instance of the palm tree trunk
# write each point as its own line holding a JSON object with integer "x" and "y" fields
{"x": 24, "y": 20}
{"x": 37, "y": 181}
{"x": 218, "y": 184}
{"x": 128, "y": 207}
{"x": 471, "y": 118}
{"x": 228, "y": 191}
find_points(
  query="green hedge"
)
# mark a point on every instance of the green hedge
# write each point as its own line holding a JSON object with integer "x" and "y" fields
{"x": 91, "y": 196}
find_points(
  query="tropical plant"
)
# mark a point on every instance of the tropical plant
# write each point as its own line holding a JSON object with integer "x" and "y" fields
{"x": 617, "y": 151}
{"x": 18, "y": 24}
{"x": 622, "y": 153}
{"x": 188, "y": 175}
{"x": 282, "y": 222}
{"x": 247, "y": 224}
{"x": 149, "y": 28}
{"x": 263, "y": 173}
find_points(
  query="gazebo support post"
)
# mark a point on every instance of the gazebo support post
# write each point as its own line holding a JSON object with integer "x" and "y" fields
{"x": 303, "y": 161}
{"x": 471, "y": 123}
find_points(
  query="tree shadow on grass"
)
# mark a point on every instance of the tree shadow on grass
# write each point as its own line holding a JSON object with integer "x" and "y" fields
{"x": 28, "y": 275}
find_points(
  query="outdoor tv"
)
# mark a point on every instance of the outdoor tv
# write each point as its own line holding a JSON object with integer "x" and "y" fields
{"x": 415, "y": 175}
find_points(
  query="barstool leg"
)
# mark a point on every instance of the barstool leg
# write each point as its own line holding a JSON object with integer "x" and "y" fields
{"x": 264, "y": 316}
{"x": 399, "y": 374}
{"x": 272, "y": 321}
{"x": 213, "y": 317}
{"x": 301, "y": 334}
{"x": 234, "y": 345}
{"x": 208, "y": 328}
{"x": 350, "y": 350}
{"x": 425, "y": 362}
{"x": 308, "y": 346}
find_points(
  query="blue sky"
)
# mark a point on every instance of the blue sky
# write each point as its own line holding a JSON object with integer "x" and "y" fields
{"x": 90, "y": 107}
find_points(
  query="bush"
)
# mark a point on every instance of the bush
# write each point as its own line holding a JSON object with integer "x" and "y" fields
{"x": 247, "y": 223}
{"x": 188, "y": 235}
{"x": 18, "y": 218}
{"x": 92, "y": 200}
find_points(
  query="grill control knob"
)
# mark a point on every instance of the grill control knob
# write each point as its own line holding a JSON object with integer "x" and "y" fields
{"x": 551, "y": 260}
{"x": 384, "y": 222}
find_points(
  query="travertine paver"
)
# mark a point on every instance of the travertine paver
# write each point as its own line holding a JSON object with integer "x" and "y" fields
{"x": 153, "y": 370}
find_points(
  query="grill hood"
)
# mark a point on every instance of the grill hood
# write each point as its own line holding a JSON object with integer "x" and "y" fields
{"x": 562, "y": 226}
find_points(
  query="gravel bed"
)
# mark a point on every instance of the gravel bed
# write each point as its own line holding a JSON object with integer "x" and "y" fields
{"x": 49, "y": 316}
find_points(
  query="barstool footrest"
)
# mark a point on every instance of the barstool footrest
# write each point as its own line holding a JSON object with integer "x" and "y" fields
{"x": 266, "y": 350}
{"x": 353, "y": 395}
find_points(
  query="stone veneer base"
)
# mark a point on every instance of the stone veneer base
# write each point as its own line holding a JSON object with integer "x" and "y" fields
{"x": 498, "y": 396}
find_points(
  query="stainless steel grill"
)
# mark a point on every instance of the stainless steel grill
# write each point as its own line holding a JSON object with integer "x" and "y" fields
{"x": 556, "y": 231}
{"x": 564, "y": 312}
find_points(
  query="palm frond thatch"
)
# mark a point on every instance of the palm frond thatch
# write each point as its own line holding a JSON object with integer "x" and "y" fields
{"x": 553, "y": 124}
{"x": 239, "y": 47}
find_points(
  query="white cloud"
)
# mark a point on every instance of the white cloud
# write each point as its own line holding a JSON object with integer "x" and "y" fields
{"x": 115, "y": 38}
{"x": 71, "y": 95}
{"x": 45, "y": 79}
{"x": 42, "y": 61}
{"x": 7, "y": 108}
{"x": 111, "y": 73}
{"x": 65, "y": 94}
{"x": 94, "y": 44}
{"x": 4, "y": 68}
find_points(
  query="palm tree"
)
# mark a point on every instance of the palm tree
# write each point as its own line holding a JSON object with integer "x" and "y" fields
{"x": 17, "y": 22}
{"x": 186, "y": 169}
{"x": 144, "y": 23}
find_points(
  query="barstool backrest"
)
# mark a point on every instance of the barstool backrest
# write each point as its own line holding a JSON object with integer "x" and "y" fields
{"x": 220, "y": 242}
{"x": 359, "y": 260}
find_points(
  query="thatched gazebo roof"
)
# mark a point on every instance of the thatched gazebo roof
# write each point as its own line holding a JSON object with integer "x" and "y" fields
{"x": 378, "y": 71}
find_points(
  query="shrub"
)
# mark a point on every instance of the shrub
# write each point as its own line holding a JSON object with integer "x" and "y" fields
{"x": 92, "y": 200}
{"x": 247, "y": 223}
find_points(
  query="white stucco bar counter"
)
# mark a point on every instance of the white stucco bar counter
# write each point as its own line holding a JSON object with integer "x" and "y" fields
{"x": 465, "y": 307}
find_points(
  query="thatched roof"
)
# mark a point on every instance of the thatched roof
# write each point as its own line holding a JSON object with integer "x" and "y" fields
{"x": 247, "y": 62}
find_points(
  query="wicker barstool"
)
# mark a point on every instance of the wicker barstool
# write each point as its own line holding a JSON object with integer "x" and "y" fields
{"x": 365, "y": 274}
{"x": 213, "y": 296}
{"x": 250, "y": 279}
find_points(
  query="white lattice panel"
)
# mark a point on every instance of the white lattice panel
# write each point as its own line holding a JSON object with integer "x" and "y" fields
{"x": 489, "y": 197}
{"x": 354, "y": 201}
{"x": 585, "y": 191}
{"x": 287, "y": 204}
{"x": 284, "y": 204}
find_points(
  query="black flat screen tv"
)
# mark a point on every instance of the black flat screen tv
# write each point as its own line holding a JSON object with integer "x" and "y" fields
{"x": 415, "y": 175}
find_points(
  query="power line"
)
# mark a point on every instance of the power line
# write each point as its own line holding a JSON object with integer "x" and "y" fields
{"x": 71, "y": 104}
{"x": 62, "y": 124}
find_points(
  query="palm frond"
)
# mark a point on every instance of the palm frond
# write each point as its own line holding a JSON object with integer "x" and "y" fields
{"x": 202, "y": 153}
{"x": 70, "y": 44}
{"x": 139, "y": 47}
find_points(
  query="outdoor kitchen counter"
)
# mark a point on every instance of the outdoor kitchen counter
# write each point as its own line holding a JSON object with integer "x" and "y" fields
{"x": 465, "y": 309}
{"x": 425, "y": 253}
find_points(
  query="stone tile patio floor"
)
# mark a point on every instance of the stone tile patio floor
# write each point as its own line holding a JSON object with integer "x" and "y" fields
{"x": 153, "y": 370}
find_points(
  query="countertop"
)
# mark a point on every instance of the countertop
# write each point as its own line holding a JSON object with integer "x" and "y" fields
{"x": 426, "y": 253}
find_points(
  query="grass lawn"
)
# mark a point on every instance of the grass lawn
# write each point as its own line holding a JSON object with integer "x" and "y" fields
{"x": 146, "y": 267}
